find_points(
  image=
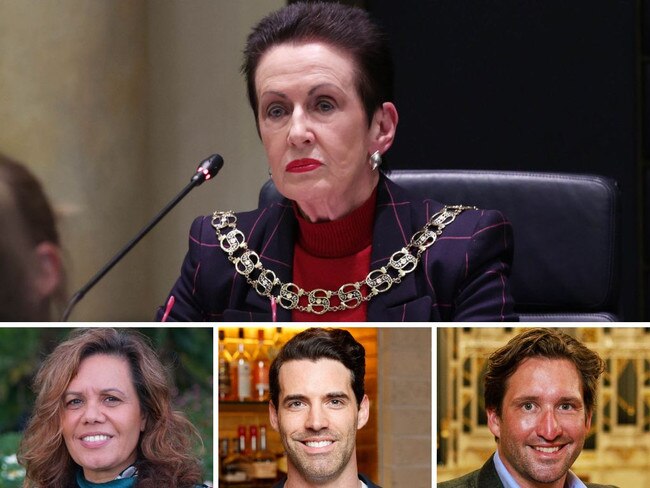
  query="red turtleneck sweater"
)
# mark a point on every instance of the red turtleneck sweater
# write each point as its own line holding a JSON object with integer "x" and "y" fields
{"x": 330, "y": 254}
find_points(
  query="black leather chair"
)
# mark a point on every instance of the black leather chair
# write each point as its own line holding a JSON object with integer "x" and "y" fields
{"x": 566, "y": 228}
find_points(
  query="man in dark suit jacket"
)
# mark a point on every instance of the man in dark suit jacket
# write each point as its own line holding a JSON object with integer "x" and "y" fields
{"x": 540, "y": 392}
{"x": 463, "y": 276}
{"x": 487, "y": 477}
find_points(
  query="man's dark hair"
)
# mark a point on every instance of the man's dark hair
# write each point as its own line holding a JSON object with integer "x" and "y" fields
{"x": 346, "y": 28}
{"x": 541, "y": 343}
{"x": 316, "y": 343}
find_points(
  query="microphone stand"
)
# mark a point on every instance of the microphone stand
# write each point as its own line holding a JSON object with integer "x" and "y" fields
{"x": 200, "y": 177}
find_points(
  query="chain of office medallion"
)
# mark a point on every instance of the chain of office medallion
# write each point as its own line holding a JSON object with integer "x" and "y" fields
{"x": 264, "y": 281}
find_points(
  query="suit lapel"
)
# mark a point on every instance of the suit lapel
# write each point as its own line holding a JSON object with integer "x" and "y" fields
{"x": 392, "y": 231}
{"x": 274, "y": 244}
{"x": 488, "y": 475}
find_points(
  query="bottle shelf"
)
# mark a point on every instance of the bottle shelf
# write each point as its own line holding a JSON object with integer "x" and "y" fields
{"x": 237, "y": 406}
{"x": 244, "y": 402}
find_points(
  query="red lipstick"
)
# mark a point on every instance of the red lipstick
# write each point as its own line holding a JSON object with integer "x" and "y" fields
{"x": 303, "y": 165}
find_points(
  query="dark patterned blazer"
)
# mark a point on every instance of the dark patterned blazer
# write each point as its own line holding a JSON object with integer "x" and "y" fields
{"x": 487, "y": 477}
{"x": 463, "y": 276}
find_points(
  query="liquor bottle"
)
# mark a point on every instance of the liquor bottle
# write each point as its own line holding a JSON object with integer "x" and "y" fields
{"x": 253, "y": 437}
{"x": 224, "y": 452}
{"x": 241, "y": 364}
{"x": 225, "y": 386}
{"x": 260, "y": 370}
{"x": 264, "y": 464}
{"x": 236, "y": 465}
{"x": 274, "y": 350}
{"x": 247, "y": 461}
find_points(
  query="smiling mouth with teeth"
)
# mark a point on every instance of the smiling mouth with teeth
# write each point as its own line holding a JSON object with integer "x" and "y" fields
{"x": 95, "y": 438}
{"x": 318, "y": 443}
{"x": 548, "y": 449}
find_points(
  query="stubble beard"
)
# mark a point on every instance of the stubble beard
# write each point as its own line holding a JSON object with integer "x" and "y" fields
{"x": 320, "y": 468}
{"x": 538, "y": 472}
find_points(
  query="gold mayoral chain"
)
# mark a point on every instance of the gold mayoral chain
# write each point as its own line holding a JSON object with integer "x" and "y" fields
{"x": 350, "y": 295}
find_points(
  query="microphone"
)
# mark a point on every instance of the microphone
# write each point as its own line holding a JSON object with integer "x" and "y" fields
{"x": 207, "y": 169}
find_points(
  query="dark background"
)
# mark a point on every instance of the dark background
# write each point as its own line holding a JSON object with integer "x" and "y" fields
{"x": 530, "y": 86}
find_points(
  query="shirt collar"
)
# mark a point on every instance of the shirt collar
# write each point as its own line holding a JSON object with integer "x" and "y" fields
{"x": 505, "y": 477}
{"x": 572, "y": 481}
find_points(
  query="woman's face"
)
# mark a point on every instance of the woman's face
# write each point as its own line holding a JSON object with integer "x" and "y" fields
{"x": 102, "y": 418}
{"x": 315, "y": 130}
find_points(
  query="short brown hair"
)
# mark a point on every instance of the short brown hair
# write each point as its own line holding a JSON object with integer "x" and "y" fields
{"x": 32, "y": 204}
{"x": 542, "y": 343}
{"x": 26, "y": 220}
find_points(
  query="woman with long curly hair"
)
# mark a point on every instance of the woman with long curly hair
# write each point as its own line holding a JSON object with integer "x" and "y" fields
{"x": 103, "y": 418}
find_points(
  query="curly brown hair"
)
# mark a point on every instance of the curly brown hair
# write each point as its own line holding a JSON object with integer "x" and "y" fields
{"x": 165, "y": 455}
{"x": 545, "y": 343}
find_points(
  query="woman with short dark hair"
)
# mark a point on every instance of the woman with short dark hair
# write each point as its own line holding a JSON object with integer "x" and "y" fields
{"x": 346, "y": 243}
